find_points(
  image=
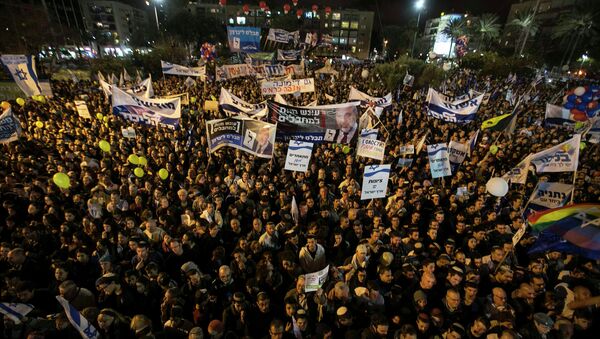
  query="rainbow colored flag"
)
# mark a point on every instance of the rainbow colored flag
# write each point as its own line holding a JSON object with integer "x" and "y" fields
{"x": 576, "y": 227}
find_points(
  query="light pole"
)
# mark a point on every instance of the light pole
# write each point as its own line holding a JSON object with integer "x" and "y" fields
{"x": 419, "y": 6}
{"x": 155, "y": 12}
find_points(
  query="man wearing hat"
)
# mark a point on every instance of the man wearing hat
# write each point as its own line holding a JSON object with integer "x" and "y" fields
{"x": 538, "y": 328}
{"x": 234, "y": 316}
{"x": 344, "y": 322}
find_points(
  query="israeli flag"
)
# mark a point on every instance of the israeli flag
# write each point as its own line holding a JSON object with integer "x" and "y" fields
{"x": 80, "y": 323}
{"x": 15, "y": 311}
{"x": 22, "y": 69}
{"x": 369, "y": 133}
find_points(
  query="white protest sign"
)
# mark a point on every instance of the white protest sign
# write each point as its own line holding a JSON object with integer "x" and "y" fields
{"x": 314, "y": 281}
{"x": 82, "y": 109}
{"x": 371, "y": 148}
{"x": 298, "y": 156}
{"x": 439, "y": 162}
{"x": 375, "y": 180}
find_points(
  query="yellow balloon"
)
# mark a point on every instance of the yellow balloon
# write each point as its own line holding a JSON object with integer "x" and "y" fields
{"x": 138, "y": 172}
{"x": 143, "y": 161}
{"x": 39, "y": 124}
{"x": 104, "y": 146}
{"x": 133, "y": 159}
{"x": 99, "y": 116}
{"x": 20, "y": 101}
{"x": 105, "y": 119}
{"x": 163, "y": 174}
{"x": 62, "y": 180}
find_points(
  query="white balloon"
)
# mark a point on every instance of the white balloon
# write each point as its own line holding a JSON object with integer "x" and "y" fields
{"x": 365, "y": 73}
{"x": 446, "y": 66}
{"x": 579, "y": 91}
{"x": 497, "y": 187}
{"x": 432, "y": 55}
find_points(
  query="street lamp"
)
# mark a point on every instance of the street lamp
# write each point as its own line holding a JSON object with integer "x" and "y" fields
{"x": 418, "y": 6}
{"x": 155, "y": 12}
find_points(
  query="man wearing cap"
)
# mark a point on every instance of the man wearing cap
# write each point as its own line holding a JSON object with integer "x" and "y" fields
{"x": 234, "y": 316}
{"x": 538, "y": 328}
{"x": 343, "y": 322}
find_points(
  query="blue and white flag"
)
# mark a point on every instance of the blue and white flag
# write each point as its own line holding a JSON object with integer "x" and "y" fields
{"x": 473, "y": 141}
{"x": 457, "y": 153}
{"x": 22, "y": 69}
{"x": 439, "y": 160}
{"x": 298, "y": 156}
{"x": 15, "y": 311}
{"x": 243, "y": 39}
{"x": 283, "y": 36}
{"x": 369, "y": 133}
{"x": 518, "y": 174}
{"x": 563, "y": 157}
{"x": 366, "y": 100}
{"x": 458, "y": 111}
{"x": 594, "y": 131}
{"x": 558, "y": 116}
{"x": 81, "y": 324}
{"x": 288, "y": 55}
{"x": 10, "y": 127}
{"x": 231, "y": 105}
{"x": 375, "y": 180}
{"x": 165, "y": 112}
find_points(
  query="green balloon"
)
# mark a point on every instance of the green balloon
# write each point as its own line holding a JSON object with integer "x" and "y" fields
{"x": 143, "y": 161}
{"x": 138, "y": 172}
{"x": 579, "y": 124}
{"x": 133, "y": 159}
{"x": 582, "y": 145}
{"x": 104, "y": 146}
{"x": 163, "y": 174}
{"x": 346, "y": 149}
{"x": 494, "y": 149}
{"x": 62, "y": 180}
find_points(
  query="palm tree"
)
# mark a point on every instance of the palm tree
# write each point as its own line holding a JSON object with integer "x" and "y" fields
{"x": 453, "y": 30}
{"x": 488, "y": 28}
{"x": 573, "y": 28}
{"x": 527, "y": 25}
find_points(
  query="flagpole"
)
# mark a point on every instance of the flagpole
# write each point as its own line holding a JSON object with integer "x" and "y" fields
{"x": 573, "y": 189}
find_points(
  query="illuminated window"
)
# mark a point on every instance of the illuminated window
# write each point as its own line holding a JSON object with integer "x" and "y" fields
{"x": 336, "y": 40}
{"x": 345, "y": 24}
{"x": 353, "y": 49}
{"x": 241, "y": 20}
{"x": 336, "y": 16}
{"x": 352, "y": 41}
{"x": 231, "y": 21}
{"x": 335, "y": 24}
{"x": 343, "y": 41}
{"x": 354, "y": 25}
{"x": 309, "y": 15}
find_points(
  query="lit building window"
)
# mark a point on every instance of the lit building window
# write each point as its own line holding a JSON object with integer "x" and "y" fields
{"x": 240, "y": 20}
{"x": 336, "y": 16}
{"x": 345, "y": 24}
{"x": 354, "y": 25}
{"x": 231, "y": 21}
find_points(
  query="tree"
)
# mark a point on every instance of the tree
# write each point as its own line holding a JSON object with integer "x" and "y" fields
{"x": 573, "y": 28}
{"x": 454, "y": 29}
{"x": 488, "y": 28}
{"x": 191, "y": 29}
{"x": 526, "y": 25}
{"x": 399, "y": 39}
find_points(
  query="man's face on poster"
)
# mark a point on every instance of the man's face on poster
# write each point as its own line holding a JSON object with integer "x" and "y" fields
{"x": 345, "y": 119}
{"x": 263, "y": 136}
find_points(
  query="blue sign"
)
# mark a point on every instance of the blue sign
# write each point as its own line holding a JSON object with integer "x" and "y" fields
{"x": 243, "y": 39}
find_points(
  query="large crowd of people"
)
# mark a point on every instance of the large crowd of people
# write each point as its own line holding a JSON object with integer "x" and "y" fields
{"x": 213, "y": 250}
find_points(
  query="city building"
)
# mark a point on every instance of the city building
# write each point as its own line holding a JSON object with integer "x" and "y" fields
{"x": 112, "y": 24}
{"x": 350, "y": 30}
{"x": 433, "y": 38}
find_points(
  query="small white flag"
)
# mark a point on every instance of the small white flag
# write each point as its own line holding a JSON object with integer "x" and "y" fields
{"x": 294, "y": 211}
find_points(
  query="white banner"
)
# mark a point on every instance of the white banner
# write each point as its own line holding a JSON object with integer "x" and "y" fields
{"x": 518, "y": 175}
{"x": 143, "y": 89}
{"x": 10, "y": 127}
{"x": 550, "y": 195}
{"x": 458, "y": 111}
{"x": 371, "y": 148}
{"x": 282, "y": 36}
{"x": 298, "y": 156}
{"x": 560, "y": 158}
{"x": 82, "y": 109}
{"x": 407, "y": 149}
{"x": 439, "y": 162}
{"x": 314, "y": 281}
{"x": 375, "y": 180}
{"x": 366, "y": 100}
{"x": 174, "y": 69}
{"x": 234, "y": 71}
{"x": 369, "y": 133}
{"x": 22, "y": 69}
{"x": 287, "y": 86}
{"x": 232, "y": 105}
{"x": 166, "y": 112}
{"x": 457, "y": 153}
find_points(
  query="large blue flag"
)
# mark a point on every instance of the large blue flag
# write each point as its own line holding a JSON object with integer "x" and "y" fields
{"x": 22, "y": 69}
{"x": 243, "y": 39}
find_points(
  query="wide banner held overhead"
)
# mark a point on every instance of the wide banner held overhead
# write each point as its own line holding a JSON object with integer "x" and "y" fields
{"x": 288, "y": 55}
{"x": 226, "y": 72}
{"x": 232, "y": 105}
{"x": 174, "y": 69}
{"x": 298, "y": 156}
{"x": 560, "y": 158}
{"x": 164, "y": 112}
{"x": 330, "y": 123}
{"x": 282, "y": 36}
{"x": 439, "y": 160}
{"x": 287, "y": 86}
{"x": 252, "y": 136}
{"x": 375, "y": 180}
{"x": 243, "y": 39}
{"x": 371, "y": 148}
{"x": 366, "y": 100}
{"x": 560, "y": 116}
{"x": 459, "y": 111}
